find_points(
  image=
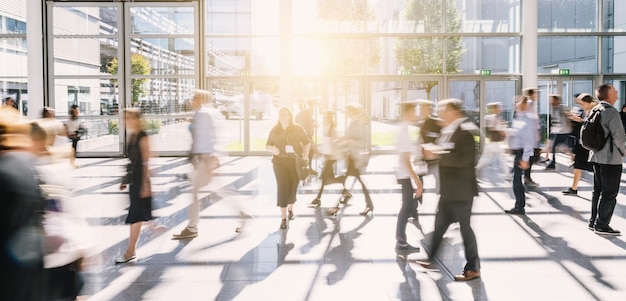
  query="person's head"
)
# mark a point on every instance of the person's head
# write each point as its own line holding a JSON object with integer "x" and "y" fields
{"x": 555, "y": 100}
{"x": 201, "y": 98}
{"x": 39, "y": 139}
{"x": 9, "y": 102}
{"x": 522, "y": 103}
{"x": 353, "y": 110}
{"x": 74, "y": 111}
{"x": 531, "y": 93}
{"x": 426, "y": 107}
{"x": 408, "y": 111}
{"x": 47, "y": 112}
{"x": 624, "y": 108}
{"x": 132, "y": 116}
{"x": 585, "y": 101}
{"x": 450, "y": 110}
{"x": 494, "y": 107}
{"x": 606, "y": 93}
{"x": 285, "y": 116}
{"x": 329, "y": 118}
{"x": 14, "y": 131}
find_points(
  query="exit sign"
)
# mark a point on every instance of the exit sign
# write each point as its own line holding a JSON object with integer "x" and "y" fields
{"x": 485, "y": 71}
{"x": 563, "y": 71}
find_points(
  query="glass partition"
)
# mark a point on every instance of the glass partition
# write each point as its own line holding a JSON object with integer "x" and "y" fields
{"x": 578, "y": 54}
{"x": 567, "y": 15}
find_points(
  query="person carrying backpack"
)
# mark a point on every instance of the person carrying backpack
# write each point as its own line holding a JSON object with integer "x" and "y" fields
{"x": 607, "y": 161}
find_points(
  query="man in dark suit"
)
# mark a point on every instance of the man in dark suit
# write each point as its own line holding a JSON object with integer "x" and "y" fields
{"x": 458, "y": 184}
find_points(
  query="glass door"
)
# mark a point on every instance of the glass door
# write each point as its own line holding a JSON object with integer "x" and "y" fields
{"x": 110, "y": 56}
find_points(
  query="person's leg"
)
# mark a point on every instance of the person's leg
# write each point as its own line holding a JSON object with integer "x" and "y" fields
{"x": 502, "y": 160}
{"x": 611, "y": 175}
{"x": 486, "y": 157}
{"x": 135, "y": 229}
{"x": 578, "y": 174}
{"x": 463, "y": 212}
{"x": 408, "y": 206}
{"x": 595, "y": 196}
{"x": 518, "y": 187}
{"x": 442, "y": 222}
{"x": 200, "y": 178}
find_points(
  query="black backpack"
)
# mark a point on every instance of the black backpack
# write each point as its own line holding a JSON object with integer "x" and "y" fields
{"x": 592, "y": 136}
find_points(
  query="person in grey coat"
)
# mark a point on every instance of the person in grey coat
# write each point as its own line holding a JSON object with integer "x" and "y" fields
{"x": 607, "y": 163}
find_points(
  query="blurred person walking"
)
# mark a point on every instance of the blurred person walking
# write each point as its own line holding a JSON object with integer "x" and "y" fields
{"x": 75, "y": 130}
{"x": 287, "y": 140}
{"x": 585, "y": 103}
{"x": 522, "y": 142}
{"x": 607, "y": 163}
{"x": 331, "y": 153}
{"x": 21, "y": 213}
{"x": 533, "y": 107}
{"x": 497, "y": 135}
{"x": 457, "y": 153}
{"x": 406, "y": 176}
{"x": 202, "y": 155}
{"x": 354, "y": 142}
{"x": 306, "y": 119}
{"x": 138, "y": 177}
{"x": 560, "y": 129}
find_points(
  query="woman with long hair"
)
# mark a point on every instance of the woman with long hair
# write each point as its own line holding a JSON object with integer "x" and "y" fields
{"x": 138, "y": 177}
{"x": 74, "y": 131}
{"x": 286, "y": 141}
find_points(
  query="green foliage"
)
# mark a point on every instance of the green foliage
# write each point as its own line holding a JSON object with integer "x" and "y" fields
{"x": 425, "y": 55}
{"x": 152, "y": 126}
{"x": 139, "y": 64}
{"x": 113, "y": 127}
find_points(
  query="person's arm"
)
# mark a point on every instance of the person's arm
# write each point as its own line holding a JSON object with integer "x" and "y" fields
{"x": 405, "y": 159}
{"x": 270, "y": 145}
{"x": 462, "y": 153}
{"x": 144, "y": 148}
{"x": 614, "y": 124}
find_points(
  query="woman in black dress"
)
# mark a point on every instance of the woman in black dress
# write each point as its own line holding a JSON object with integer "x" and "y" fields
{"x": 286, "y": 139}
{"x": 138, "y": 177}
{"x": 581, "y": 155}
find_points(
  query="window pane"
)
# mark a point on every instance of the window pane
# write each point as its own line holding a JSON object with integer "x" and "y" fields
{"x": 100, "y": 135}
{"x": 13, "y": 60}
{"x": 613, "y": 16}
{"x": 567, "y": 15}
{"x": 164, "y": 57}
{"x": 85, "y": 20}
{"x": 578, "y": 54}
{"x": 470, "y": 55}
{"x": 93, "y": 96}
{"x": 16, "y": 88}
{"x": 242, "y": 56}
{"x": 162, "y": 20}
{"x": 229, "y": 101}
{"x": 85, "y": 56}
{"x": 171, "y": 134}
{"x": 162, "y": 95}
{"x": 242, "y": 17}
{"x": 334, "y": 56}
{"x": 342, "y": 16}
{"x": 614, "y": 54}
{"x": 481, "y": 15}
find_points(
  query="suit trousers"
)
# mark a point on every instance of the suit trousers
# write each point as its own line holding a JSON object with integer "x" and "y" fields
{"x": 204, "y": 165}
{"x": 409, "y": 205}
{"x": 518, "y": 187}
{"x": 606, "y": 180}
{"x": 450, "y": 211}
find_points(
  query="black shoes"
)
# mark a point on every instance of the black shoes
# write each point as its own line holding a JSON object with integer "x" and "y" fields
{"x": 291, "y": 216}
{"x": 515, "y": 211}
{"x": 592, "y": 226}
{"x": 406, "y": 248}
{"x": 607, "y": 231}
{"x": 570, "y": 191}
{"x": 530, "y": 183}
{"x": 283, "y": 224}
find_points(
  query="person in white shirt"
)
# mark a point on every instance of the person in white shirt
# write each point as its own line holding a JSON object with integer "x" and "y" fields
{"x": 496, "y": 134}
{"x": 406, "y": 176}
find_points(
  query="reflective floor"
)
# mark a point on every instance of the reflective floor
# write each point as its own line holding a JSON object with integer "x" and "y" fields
{"x": 546, "y": 255}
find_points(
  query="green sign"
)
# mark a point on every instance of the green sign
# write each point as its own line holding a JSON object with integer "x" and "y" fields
{"x": 405, "y": 72}
{"x": 485, "y": 72}
{"x": 244, "y": 73}
{"x": 563, "y": 71}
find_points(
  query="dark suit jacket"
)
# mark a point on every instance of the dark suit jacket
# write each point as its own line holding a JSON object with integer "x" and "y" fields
{"x": 457, "y": 169}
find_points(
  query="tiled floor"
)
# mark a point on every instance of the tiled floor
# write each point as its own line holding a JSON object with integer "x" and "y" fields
{"x": 547, "y": 255}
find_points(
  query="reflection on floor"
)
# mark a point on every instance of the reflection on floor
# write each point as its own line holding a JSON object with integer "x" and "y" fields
{"x": 546, "y": 255}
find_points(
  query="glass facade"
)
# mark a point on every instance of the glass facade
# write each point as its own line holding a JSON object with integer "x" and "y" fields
{"x": 258, "y": 55}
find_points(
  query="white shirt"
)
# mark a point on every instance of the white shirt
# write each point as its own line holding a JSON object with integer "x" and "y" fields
{"x": 404, "y": 144}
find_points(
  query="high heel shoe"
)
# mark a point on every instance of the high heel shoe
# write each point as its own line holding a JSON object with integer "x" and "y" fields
{"x": 367, "y": 211}
{"x": 346, "y": 196}
{"x": 291, "y": 216}
{"x": 333, "y": 211}
{"x": 283, "y": 224}
{"x": 316, "y": 202}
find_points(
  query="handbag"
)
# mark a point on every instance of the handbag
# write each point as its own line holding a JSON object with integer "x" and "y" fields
{"x": 360, "y": 159}
{"x": 302, "y": 168}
